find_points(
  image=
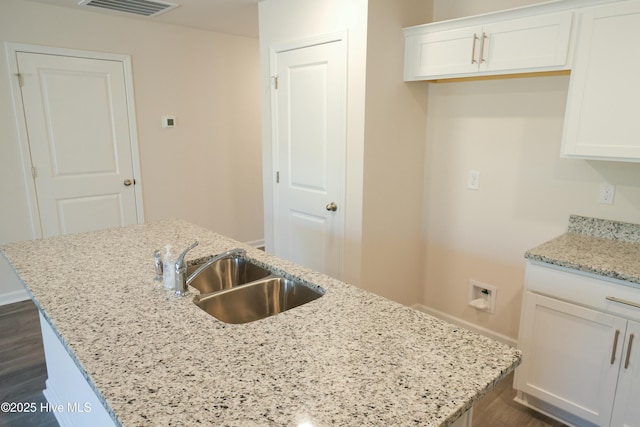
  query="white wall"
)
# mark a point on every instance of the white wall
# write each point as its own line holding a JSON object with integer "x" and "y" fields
{"x": 509, "y": 130}
{"x": 208, "y": 169}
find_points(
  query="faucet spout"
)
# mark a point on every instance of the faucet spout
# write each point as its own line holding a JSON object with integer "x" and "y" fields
{"x": 181, "y": 272}
{"x": 230, "y": 253}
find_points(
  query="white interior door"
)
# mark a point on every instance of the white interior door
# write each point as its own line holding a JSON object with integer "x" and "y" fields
{"x": 310, "y": 143}
{"x": 77, "y": 120}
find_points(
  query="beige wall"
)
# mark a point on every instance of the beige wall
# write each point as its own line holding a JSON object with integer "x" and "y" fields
{"x": 510, "y": 131}
{"x": 208, "y": 169}
{"x": 395, "y": 115}
{"x": 385, "y": 134}
{"x": 286, "y": 21}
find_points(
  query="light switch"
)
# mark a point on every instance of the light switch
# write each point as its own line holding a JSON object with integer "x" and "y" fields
{"x": 473, "y": 180}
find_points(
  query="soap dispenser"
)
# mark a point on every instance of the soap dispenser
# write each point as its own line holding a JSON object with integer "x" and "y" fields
{"x": 168, "y": 269}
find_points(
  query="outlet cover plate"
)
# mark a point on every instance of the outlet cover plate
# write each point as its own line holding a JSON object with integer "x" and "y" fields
{"x": 473, "y": 180}
{"x": 606, "y": 194}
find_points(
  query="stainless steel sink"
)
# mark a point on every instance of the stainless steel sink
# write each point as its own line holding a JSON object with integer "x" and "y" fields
{"x": 257, "y": 300}
{"x": 225, "y": 273}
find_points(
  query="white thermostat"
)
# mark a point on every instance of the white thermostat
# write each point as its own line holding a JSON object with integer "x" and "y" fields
{"x": 168, "y": 121}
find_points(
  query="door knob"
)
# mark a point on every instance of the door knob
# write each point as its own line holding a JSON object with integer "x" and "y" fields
{"x": 128, "y": 182}
{"x": 332, "y": 207}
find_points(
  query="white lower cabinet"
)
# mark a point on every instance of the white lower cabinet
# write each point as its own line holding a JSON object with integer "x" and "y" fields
{"x": 626, "y": 410}
{"x": 581, "y": 364}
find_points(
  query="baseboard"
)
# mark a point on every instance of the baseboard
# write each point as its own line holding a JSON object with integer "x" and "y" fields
{"x": 465, "y": 324}
{"x": 550, "y": 411}
{"x": 13, "y": 296}
{"x": 53, "y": 401}
{"x": 259, "y": 244}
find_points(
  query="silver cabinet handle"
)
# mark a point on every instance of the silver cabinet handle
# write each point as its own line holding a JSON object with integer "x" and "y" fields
{"x": 626, "y": 362}
{"x": 332, "y": 207}
{"x": 473, "y": 49}
{"x": 615, "y": 346}
{"x": 484, "y": 36}
{"x": 623, "y": 301}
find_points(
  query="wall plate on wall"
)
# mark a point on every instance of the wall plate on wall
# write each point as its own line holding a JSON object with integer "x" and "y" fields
{"x": 168, "y": 121}
{"x": 482, "y": 296}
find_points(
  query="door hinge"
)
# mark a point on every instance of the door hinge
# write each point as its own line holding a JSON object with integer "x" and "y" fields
{"x": 275, "y": 81}
{"x": 20, "y": 80}
{"x": 277, "y": 177}
{"x": 34, "y": 172}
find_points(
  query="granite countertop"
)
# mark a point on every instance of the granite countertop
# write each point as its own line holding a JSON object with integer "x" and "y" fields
{"x": 348, "y": 358}
{"x": 603, "y": 247}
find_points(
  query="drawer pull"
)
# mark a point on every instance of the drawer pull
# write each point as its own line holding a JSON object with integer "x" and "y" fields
{"x": 484, "y": 37}
{"x": 622, "y": 301}
{"x": 626, "y": 362}
{"x": 615, "y": 346}
{"x": 473, "y": 49}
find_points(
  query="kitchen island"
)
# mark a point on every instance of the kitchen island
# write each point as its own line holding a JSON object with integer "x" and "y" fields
{"x": 151, "y": 358}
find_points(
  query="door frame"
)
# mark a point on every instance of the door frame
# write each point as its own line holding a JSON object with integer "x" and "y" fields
{"x": 12, "y": 49}
{"x": 271, "y": 193}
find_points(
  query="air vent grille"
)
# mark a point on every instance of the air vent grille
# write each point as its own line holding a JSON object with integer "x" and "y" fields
{"x": 136, "y": 7}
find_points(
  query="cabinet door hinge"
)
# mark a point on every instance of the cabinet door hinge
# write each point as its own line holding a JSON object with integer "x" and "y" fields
{"x": 20, "y": 79}
{"x": 277, "y": 177}
{"x": 34, "y": 172}
{"x": 275, "y": 81}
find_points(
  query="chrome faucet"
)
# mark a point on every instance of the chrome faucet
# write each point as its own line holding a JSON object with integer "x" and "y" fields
{"x": 180, "y": 277}
{"x": 230, "y": 253}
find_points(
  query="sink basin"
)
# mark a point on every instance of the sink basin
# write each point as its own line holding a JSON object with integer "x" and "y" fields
{"x": 225, "y": 273}
{"x": 257, "y": 300}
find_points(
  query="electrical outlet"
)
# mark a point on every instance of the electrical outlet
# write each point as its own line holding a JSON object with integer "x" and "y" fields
{"x": 606, "y": 194}
{"x": 473, "y": 180}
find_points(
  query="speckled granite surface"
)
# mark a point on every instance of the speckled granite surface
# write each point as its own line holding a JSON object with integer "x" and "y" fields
{"x": 348, "y": 358}
{"x": 602, "y": 247}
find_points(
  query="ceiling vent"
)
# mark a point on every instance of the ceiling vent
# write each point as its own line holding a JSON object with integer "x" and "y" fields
{"x": 136, "y": 7}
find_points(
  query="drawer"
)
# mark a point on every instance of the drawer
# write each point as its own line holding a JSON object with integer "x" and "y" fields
{"x": 584, "y": 289}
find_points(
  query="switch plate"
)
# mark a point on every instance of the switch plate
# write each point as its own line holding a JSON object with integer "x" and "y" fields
{"x": 168, "y": 122}
{"x": 473, "y": 180}
{"x": 606, "y": 194}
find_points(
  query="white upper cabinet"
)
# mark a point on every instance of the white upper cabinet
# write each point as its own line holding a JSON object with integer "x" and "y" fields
{"x": 494, "y": 45}
{"x": 527, "y": 44}
{"x": 603, "y": 104}
{"x": 442, "y": 53}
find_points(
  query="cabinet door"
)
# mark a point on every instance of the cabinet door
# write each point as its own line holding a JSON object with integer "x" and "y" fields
{"x": 626, "y": 411}
{"x": 571, "y": 356}
{"x": 442, "y": 53}
{"x": 534, "y": 42}
{"x": 602, "y": 105}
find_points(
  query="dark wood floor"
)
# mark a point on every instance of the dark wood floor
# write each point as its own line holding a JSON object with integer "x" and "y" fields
{"x": 23, "y": 373}
{"x": 498, "y": 409}
{"x": 22, "y": 367}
